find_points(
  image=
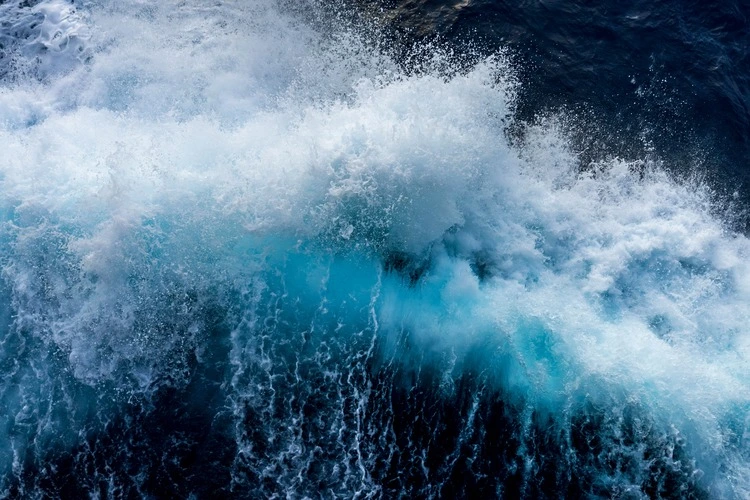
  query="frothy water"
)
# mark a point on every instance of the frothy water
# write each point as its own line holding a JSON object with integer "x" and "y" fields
{"x": 245, "y": 252}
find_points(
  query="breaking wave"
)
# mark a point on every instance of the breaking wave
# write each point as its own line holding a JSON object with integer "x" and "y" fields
{"x": 246, "y": 252}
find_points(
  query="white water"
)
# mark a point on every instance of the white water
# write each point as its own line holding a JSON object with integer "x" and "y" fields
{"x": 153, "y": 150}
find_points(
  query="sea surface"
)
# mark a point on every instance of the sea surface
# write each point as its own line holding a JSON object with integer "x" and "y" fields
{"x": 374, "y": 249}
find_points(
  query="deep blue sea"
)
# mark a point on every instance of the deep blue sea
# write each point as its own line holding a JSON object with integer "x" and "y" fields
{"x": 374, "y": 249}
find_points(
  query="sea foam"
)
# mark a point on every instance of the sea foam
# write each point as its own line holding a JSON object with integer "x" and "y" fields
{"x": 185, "y": 184}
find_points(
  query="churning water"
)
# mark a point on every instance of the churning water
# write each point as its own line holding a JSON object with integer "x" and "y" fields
{"x": 248, "y": 252}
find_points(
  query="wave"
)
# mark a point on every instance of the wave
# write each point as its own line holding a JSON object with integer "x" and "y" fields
{"x": 244, "y": 251}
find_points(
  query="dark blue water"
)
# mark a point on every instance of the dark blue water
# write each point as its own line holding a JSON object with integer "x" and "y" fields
{"x": 670, "y": 78}
{"x": 367, "y": 249}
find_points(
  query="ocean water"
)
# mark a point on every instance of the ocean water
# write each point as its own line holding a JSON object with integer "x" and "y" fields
{"x": 329, "y": 250}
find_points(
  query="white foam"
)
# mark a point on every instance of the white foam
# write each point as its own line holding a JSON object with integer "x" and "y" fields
{"x": 197, "y": 129}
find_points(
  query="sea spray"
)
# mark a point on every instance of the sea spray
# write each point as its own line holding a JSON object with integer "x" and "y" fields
{"x": 247, "y": 254}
